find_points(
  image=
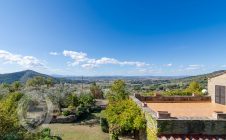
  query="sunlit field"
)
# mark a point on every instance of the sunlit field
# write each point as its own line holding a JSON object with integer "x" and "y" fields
{"x": 78, "y": 132}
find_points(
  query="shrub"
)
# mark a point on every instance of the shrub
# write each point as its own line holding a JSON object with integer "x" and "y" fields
{"x": 66, "y": 113}
{"x": 96, "y": 91}
{"x": 46, "y": 132}
{"x": 86, "y": 100}
{"x": 177, "y": 93}
{"x": 71, "y": 108}
{"x": 82, "y": 110}
{"x": 124, "y": 115}
{"x": 104, "y": 125}
{"x": 151, "y": 93}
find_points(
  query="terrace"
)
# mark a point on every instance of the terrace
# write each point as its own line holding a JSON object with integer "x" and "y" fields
{"x": 191, "y": 110}
{"x": 183, "y": 115}
{"x": 183, "y": 108}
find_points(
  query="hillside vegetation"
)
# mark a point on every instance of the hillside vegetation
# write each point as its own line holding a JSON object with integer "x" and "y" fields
{"x": 23, "y": 76}
{"x": 201, "y": 79}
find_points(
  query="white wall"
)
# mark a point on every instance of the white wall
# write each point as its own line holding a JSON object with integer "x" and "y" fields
{"x": 219, "y": 80}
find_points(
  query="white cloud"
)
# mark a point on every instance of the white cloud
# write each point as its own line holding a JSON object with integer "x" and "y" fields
{"x": 136, "y": 63}
{"x": 82, "y": 59}
{"x": 105, "y": 60}
{"x": 146, "y": 71}
{"x": 169, "y": 65}
{"x": 89, "y": 66}
{"x": 25, "y": 61}
{"x": 78, "y": 57}
{"x": 194, "y": 67}
{"x": 54, "y": 53}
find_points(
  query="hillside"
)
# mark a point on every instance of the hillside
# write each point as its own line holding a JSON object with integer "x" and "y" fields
{"x": 175, "y": 83}
{"x": 23, "y": 76}
{"x": 202, "y": 79}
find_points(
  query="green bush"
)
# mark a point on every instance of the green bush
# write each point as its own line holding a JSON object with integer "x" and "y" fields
{"x": 46, "y": 132}
{"x": 12, "y": 136}
{"x": 82, "y": 112}
{"x": 71, "y": 108}
{"x": 151, "y": 93}
{"x": 104, "y": 125}
{"x": 66, "y": 113}
{"x": 177, "y": 93}
{"x": 86, "y": 100}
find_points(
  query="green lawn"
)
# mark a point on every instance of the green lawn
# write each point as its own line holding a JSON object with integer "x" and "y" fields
{"x": 78, "y": 132}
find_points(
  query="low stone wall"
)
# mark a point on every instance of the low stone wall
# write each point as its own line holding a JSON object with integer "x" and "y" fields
{"x": 144, "y": 109}
{"x": 151, "y": 129}
{"x": 64, "y": 119}
{"x": 203, "y": 127}
{"x": 172, "y": 99}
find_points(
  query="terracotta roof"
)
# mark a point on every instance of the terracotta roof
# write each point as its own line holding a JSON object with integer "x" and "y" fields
{"x": 191, "y": 137}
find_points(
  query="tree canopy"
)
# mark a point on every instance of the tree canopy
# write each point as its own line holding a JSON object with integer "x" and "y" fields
{"x": 8, "y": 116}
{"x": 96, "y": 91}
{"x": 194, "y": 87}
{"x": 39, "y": 81}
{"x": 124, "y": 115}
{"x": 118, "y": 91}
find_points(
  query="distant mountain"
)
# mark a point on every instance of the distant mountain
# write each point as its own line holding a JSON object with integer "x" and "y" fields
{"x": 111, "y": 78}
{"x": 23, "y": 76}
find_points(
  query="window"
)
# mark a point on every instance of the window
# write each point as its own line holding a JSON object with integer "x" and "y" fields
{"x": 220, "y": 94}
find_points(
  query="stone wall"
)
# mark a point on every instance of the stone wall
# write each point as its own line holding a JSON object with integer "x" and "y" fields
{"x": 172, "y": 99}
{"x": 64, "y": 119}
{"x": 151, "y": 129}
{"x": 144, "y": 109}
{"x": 203, "y": 127}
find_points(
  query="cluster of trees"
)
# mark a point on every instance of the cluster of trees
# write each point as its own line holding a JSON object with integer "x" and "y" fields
{"x": 10, "y": 95}
{"x": 62, "y": 95}
{"x": 171, "y": 84}
{"x": 39, "y": 81}
{"x": 10, "y": 128}
{"x": 192, "y": 88}
{"x": 122, "y": 115}
{"x": 14, "y": 87}
{"x": 34, "y": 83}
{"x": 79, "y": 105}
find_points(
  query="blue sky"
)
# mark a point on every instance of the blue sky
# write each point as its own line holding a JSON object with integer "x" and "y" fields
{"x": 113, "y": 37}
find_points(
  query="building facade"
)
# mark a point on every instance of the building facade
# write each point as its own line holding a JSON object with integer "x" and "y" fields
{"x": 202, "y": 117}
{"x": 217, "y": 89}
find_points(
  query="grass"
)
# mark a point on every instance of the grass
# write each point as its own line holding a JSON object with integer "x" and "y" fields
{"x": 78, "y": 132}
{"x": 86, "y": 129}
